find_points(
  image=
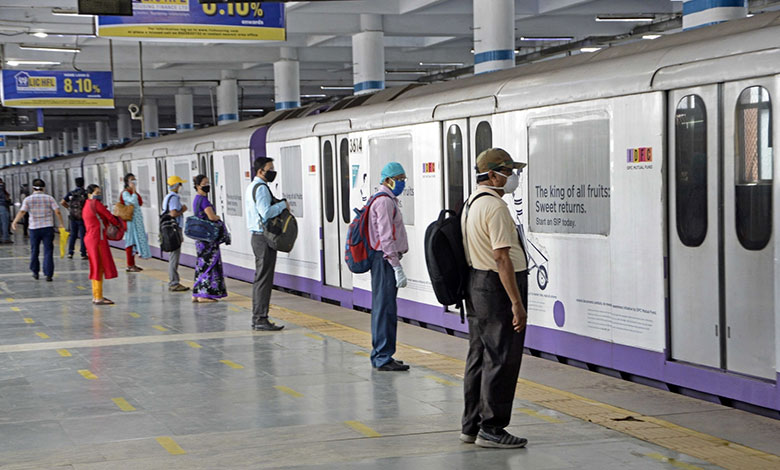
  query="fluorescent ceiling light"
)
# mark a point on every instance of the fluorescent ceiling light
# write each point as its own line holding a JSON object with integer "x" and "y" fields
{"x": 167, "y": 129}
{"x": 546, "y": 38}
{"x": 254, "y": 110}
{"x": 590, "y": 49}
{"x": 321, "y": 95}
{"x": 75, "y": 50}
{"x": 40, "y": 34}
{"x": 442, "y": 64}
{"x": 15, "y": 62}
{"x": 325, "y": 87}
{"x": 406, "y": 72}
{"x": 651, "y": 36}
{"x": 631, "y": 19}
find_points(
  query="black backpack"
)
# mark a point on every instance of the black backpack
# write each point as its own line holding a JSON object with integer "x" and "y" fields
{"x": 280, "y": 231}
{"x": 77, "y": 200}
{"x": 171, "y": 237}
{"x": 446, "y": 257}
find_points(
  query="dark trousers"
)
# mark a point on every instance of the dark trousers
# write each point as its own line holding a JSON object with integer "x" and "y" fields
{"x": 265, "y": 265}
{"x": 384, "y": 310}
{"x": 46, "y": 236}
{"x": 77, "y": 230}
{"x": 495, "y": 353}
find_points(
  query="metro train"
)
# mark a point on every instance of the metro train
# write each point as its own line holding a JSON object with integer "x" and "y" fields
{"x": 647, "y": 204}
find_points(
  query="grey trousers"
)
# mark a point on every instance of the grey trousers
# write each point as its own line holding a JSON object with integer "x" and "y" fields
{"x": 495, "y": 353}
{"x": 173, "y": 268}
{"x": 265, "y": 264}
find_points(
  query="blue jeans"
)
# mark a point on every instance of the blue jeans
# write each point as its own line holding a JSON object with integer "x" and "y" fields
{"x": 384, "y": 310}
{"x": 77, "y": 230}
{"x": 5, "y": 221}
{"x": 45, "y": 235}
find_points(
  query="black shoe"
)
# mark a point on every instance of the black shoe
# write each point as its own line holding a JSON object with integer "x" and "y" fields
{"x": 49, "y": 279}
{"x": 84, "y": 257}
{"x": 266, "y": 325}
{"x": 70, "y": 255}
{"x": 504, "y": 440}
{"x": 393, "y": 366}
{"x": 35, "y": 276}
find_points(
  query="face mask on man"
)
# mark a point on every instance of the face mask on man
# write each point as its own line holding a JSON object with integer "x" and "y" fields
{"x": 512, "y": 182}
{"x": 270, "y": 176}
{"x": 397, "y": 187}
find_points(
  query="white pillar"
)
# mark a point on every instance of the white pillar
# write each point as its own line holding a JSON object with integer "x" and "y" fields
{"x": 29, "y": 153}
{"x": 124, "y": 127}
{"x": 16, "y": 155}
{"x": 287, "y": 79}
{"x": 56, "y": 150}
{"x": 699, "y": 13}
{"x": 83, "y": 138}
{"x": 67, "y": 142}
{"x": 101, "y": 139}
{"x": 50, "y": 147}
{"x": 185, "y": 120}
{"x": 43, "y": 149}
{"x": 368, "y": 55}
{"x": 494, "y": 35}
{"x": 227, "y": 99}
{"x": 151, "y": 118}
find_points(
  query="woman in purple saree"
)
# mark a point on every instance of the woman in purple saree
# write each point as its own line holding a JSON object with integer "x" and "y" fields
{"x": 209, "y": 280}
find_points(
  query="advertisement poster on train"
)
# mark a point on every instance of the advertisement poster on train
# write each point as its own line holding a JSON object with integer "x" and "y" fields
{"x": 188, "y": 20}
{"x": 57, "y": 89}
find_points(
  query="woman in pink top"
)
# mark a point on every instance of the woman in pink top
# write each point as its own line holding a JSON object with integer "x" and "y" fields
{"x": 387, "y": 235}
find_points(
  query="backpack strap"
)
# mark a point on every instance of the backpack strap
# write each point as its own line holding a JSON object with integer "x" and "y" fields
{"x": 368, "y": 216}
{"x": 465, "y": 209}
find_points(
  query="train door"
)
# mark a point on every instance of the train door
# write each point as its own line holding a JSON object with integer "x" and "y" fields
{"x": 342, "y": 188}
{"x": 457, "y": 182}
{"x": 162, "y": 182}
{"x": 694, "y": 174}
{"x": 330, "y": 217}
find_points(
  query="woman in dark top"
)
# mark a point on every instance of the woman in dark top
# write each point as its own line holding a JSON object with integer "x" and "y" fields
{"x": 209, "y": 280}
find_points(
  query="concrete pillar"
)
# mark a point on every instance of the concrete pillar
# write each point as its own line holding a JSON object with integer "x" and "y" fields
{"x": 227, "y": 99}
{"x": 185, "y": 119}
{"x": 101, "y": 139}
{"x": 43, "y": 149}
{"x": 494, "y": 35}
{"x": 124, "y": 126}
{"x": 16, "y": 155}
{"x": 30, "y": 154}
{"x": 67, "y": 142}
{"x": 56, "y": 150}
{"x": 699, "y": 13}
{"x": 287, "y": 79}
{"x": 368, "y": 55}
{"x": 151, "y": 118}
{"x": 82, "y": 144}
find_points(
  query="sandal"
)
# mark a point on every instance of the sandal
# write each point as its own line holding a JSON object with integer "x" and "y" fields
{"x": 205, "y": 300}
{"x": 133, "y": 269}
{"x": 103, "y": 301}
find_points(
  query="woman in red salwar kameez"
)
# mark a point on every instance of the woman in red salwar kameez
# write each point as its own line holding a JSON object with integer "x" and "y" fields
{"x": 101, "y": 263}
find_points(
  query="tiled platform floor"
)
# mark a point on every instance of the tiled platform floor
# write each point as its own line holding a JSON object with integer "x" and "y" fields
{"x": 157, "y": 382}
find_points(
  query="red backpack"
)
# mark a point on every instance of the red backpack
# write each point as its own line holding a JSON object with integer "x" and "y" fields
{"x": 358, "y": 251}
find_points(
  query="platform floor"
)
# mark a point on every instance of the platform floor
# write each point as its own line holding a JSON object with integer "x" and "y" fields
{"x": 157, "y": 382}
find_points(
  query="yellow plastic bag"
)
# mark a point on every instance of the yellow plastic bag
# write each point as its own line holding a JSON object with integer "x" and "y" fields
{"x": 63, "y": 241}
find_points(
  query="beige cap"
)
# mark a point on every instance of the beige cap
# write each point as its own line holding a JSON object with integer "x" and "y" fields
{"x": 495, "y": 158}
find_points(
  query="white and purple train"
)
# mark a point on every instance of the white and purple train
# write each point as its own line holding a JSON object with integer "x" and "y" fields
{"x": 647, "y": 204}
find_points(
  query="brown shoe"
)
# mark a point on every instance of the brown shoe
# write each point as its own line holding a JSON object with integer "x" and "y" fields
{"x": 178, "y": 288}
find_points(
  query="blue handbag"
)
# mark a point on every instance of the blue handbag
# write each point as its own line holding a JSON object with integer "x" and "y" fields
{"x": 202, "y": 230}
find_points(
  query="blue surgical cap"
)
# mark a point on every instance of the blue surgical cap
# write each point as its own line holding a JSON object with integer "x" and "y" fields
{"x": 392, "y": 169}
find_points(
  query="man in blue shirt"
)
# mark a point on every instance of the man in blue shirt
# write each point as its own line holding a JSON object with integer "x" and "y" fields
{"x": 260, "y": 208}
{"x": 172, "y": 203}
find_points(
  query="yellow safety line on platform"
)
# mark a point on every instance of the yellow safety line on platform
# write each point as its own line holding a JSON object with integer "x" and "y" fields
{"x": 672, "y": 462}
{"x": 64, "y": 353}
{"x": 288, "y": 391}
{"x": 313, "y": 336}
{"x": 123, "y": 404}
{"x": 441, "y": 381}
{"x": 536, "y": 414}
{"x": 362, "y": 429}
{"x": 193, "y": 344}
{"x": 134, "y": 315}
{"x": 170, "y": 445}
{"x": 231, "y": 364}
{"x": 363, "y": 353}
{"x": 29, "y": 321}
{"x": 16, "y": 309}
{"x": 9, "y": 299}
{"x": 159, "y": 328}
{"x": 81, "y": 288}
{"x": 87, "y": 374}
{"x": 42, "y": 335}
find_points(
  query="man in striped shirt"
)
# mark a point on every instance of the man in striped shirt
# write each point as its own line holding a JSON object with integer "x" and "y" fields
{"x": 42, "y": 209}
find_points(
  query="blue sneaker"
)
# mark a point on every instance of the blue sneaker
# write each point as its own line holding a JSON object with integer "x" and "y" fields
{"x": 500, "y": 441}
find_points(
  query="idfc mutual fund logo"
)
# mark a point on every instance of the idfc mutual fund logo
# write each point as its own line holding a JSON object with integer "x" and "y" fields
{"x": 27, "y": 84}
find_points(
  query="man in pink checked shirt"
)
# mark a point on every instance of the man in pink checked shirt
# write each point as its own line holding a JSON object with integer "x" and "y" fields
{"x": 387, "y": 234}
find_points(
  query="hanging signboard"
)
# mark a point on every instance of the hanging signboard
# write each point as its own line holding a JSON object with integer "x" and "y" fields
{"x": 187, "y": 20}
{"x": 20, "y": 121}
{"x": 57, "y": 89}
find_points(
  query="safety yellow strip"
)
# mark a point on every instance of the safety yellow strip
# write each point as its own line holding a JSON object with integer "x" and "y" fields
{"x": 81, "y": 288}
{"x": 87, "y": 374}
{"x": 170, "y": 445}
{"x": 134, "y": 315}
{"x": 672, "y": 462}
{"x": 234, "y": 309}
{"x": 362, "y": 429}
{"x": 231, "y": 364}
{"x": 9, "y": 299}
{"x": 193, "y": 344}
{"x": 363, "y": 353}
{"x": 159, "y": 328}
{"x": 123, "y": 404}
{"x": 29, "y": 320}
{"x": 288, "y": 391}
{"x": 441, "y": 381}
{"x": 16, "y": 309}
{"x": 64, "y": 353}
{"x": 42, "y": 335}
{"x": 538, "y": 415}
{"x": 313, "y": 336}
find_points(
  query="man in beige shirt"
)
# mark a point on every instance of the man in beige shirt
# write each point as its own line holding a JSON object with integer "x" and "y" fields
{"x": 496, "y": 301}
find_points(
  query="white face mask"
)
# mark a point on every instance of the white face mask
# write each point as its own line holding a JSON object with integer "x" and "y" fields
{"x": 512, "y": 182}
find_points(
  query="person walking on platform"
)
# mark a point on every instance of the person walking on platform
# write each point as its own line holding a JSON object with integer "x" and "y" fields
{"x": 74, "y": 201}
{"x": 387, "y": 234}
{"x": 101, "y": 263}
{"x": 496, "y": 302}
{"x": 260, "y": 207}
{"x": 209, "y": 280}
{"x": 136, "y": 240}
{"x": 42, "y": 209}
{"x": 5, "y": 214}
{"x": 172, "y": 204}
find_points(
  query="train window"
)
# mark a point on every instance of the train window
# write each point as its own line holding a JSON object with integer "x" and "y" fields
{"x": 292, "y": 178}
{"x": 344, "y": 167}
{"x": 483, "y": 139}
{"x": 691, "y": 170}
{"x": 397, "y": 148}
{"x": 455, "y": 167}
{"x": 327, "y": 175}
{"x": 753, "y": 175}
